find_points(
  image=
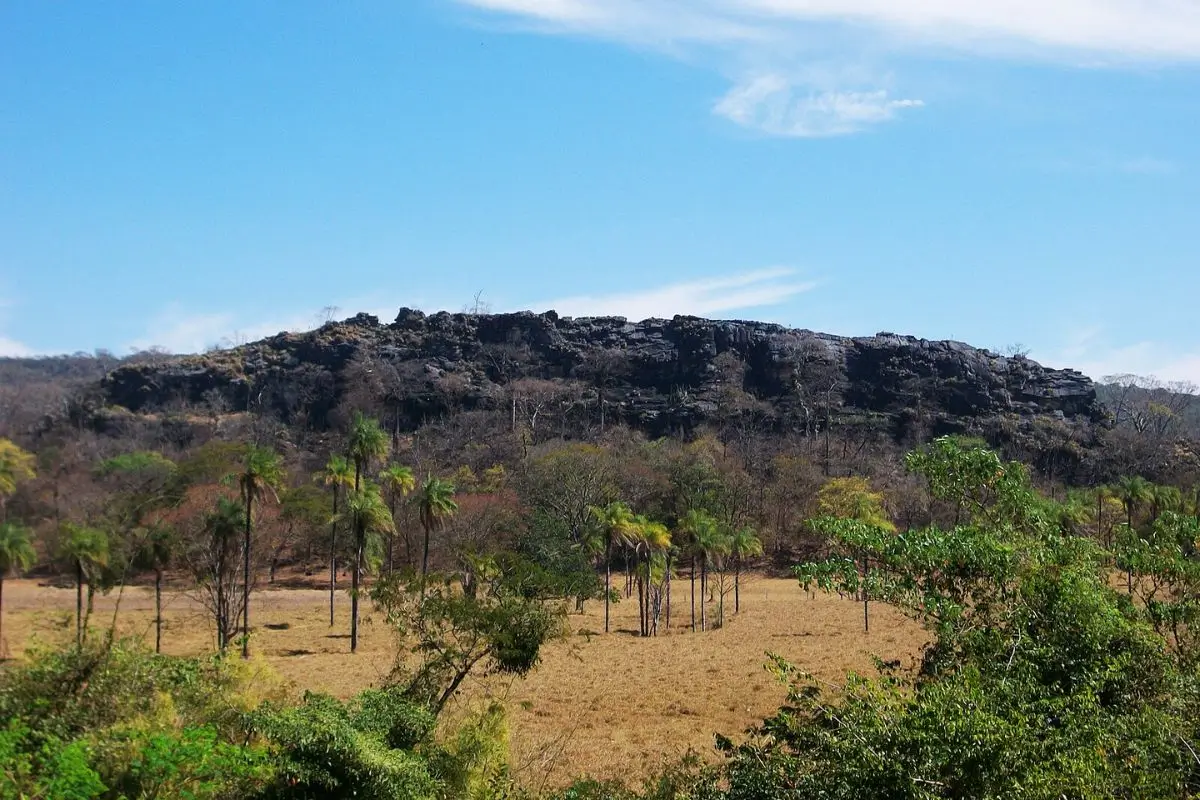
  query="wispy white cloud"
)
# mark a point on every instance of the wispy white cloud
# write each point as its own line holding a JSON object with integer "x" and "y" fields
{"x": 768, "y": 48}
{"x": 1089, "y": 351}
{"x": 772, "y": 104}
{"x": 11, "y": 348}
{"x": 1141, "y": 29}
{"x": 706, "y": 297}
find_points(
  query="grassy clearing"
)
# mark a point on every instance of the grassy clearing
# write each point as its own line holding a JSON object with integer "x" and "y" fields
{"x": 611, "y": 705}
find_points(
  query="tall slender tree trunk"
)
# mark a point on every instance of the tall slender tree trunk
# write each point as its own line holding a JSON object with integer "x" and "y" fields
{"x": 78, "y": 603}
{"x": 392, "y": 537}
{"x": 357, "y": 567}
{"x": 866, "y": 612}
{"x": 246, "y": 577}
{"x": 692, "y": 576}
{"x": 1, "y": 615}
{"x": 703, "y": 589}
{"x": 607, "y": 583}
{"x": 359, "y": 535}
{"x": 425, "y": 557}
{"x": 1129, "y": 571}
{"x": 737, "y": 584}
{"x": 158, "y": 610}
{"x": 668, "y": 580}
{"x": 333, "y": 555}
{"x": 220, "y": 603}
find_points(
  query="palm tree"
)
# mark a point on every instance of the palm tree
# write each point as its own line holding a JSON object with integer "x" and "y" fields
{"x": 1164, "y": 498}
{"x": 743, "y": 544}
{"x": 261, "y": 477}
{"x": 367, "y": 442}
{"x": 16, "y": 555}
{"x": 338, "y": 474}
{"x": 369, "y": 517}
{"x": 1101, "y": 494}
{"x": 616, "y": 523}
{"x": 158, "y": 548}
{"x": 437, "y": 504}
{"x": 399, "y": 481}
{"x": 696, "y": 524}
{"x": 16, "y": 466}
{"x": 1132, "y": 491}
{"x": 86, "y": 549}
{"x": 711, "y": 543}
{"x": 649, "y": 541}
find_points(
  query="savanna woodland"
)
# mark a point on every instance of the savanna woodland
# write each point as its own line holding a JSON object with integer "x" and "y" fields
{"x": 491, "y": 556}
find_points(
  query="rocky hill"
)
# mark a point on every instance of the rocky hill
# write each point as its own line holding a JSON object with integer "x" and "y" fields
{"x": 658, "y": 375}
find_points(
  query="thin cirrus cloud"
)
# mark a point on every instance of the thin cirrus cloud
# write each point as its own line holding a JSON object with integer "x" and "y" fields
{"x": 705, "y": 297}
{"x": 773, "y": 105}
{"x": 769, "y": 48}
{"x": 1090, "y": 351}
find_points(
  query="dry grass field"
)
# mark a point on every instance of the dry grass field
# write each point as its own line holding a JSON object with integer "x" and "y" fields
{"x": 611, "y": 705}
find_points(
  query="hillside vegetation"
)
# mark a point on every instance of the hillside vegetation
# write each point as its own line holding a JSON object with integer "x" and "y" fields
{"x": 492, "y": 514}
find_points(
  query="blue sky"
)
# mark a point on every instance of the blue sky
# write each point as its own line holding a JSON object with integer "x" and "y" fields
{"x": 998, "y": 172}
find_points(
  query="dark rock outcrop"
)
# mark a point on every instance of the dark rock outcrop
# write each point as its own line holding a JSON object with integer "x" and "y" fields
{"x": 659, "y": 375}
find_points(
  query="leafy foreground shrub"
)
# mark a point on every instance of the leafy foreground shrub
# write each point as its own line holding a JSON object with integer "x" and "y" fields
{"x": 117, "y": 721}
{"x": 121, "y": 722}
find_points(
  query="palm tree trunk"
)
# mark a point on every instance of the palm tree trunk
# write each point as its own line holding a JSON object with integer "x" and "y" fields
{"x": 424, "y": 557}
{"x": 78, "y": 603}
{"x": 246, "y": 577}
{"x": 607, "y": 583}
{"x": 866, "y": 612}
{"x": 668, "y": 579}
{"x": 333, "y": 555}
{"x": 692, "y": 575}
{"x": 358, "y": 551}
{"x": 737, "y": 584}
{"x": 703, "y": 589}
{"x": 1129, "y": 572}
{"x": 219, "y": 605}
{"x": 392, "y": 537}
{"x": 158, "y": 610}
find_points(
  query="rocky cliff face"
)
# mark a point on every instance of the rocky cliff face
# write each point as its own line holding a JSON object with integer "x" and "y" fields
{"x": 659, "y": 375}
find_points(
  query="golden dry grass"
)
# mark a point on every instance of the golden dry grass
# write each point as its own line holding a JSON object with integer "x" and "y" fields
{"x": 611, "y": 705}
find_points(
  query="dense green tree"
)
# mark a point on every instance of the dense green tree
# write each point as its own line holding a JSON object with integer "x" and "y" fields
{"x": 1040, "y": 681}
{"x": 16, "y": 555}
{"x": 448, "y": 634}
